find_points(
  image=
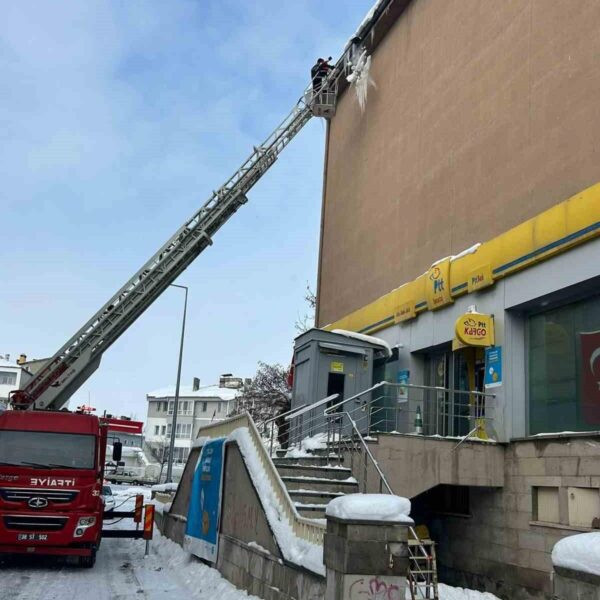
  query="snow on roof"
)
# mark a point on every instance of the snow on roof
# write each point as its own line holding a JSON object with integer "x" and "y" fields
{"x": 365, "y": 338}
{"x": 370, "y": 507}
{"x": 578, "y": 552}
{"x": 367, "y": 18}
{"x": 7, "y": 363}
{"x": 187, "y": 391}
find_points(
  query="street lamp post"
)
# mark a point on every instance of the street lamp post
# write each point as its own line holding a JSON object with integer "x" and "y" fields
{"x": 169, "y": 477}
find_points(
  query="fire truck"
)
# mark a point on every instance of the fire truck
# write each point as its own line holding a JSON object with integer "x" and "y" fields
{"x": 52, "y": 461}
{"x": 51, "y": 475}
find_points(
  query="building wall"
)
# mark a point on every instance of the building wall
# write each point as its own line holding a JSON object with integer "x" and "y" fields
{"x": 483, "y": 115}
{"x": 160, "y": 414}
{"x": 22, "y": 378}
{"x": 502, "y": 547}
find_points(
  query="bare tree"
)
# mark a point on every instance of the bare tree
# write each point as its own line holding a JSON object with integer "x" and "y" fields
{"x": 267, "y": 395}
{"x": 306, "y": 321}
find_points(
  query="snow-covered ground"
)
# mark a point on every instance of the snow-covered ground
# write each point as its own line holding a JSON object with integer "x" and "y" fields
{"x": 122, "y": 572}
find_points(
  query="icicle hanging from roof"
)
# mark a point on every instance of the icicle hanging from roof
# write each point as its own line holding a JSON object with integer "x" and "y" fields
{"x": 360, "y": 77}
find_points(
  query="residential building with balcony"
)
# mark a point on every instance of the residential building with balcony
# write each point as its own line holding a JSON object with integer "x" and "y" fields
{"x": 198, "y": 406}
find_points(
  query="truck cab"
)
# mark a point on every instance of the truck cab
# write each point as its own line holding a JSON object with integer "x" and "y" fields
{"x": 51, "y": 475}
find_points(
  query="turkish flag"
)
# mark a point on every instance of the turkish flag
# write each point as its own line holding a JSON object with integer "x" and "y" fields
{"x": 590, "y": 376}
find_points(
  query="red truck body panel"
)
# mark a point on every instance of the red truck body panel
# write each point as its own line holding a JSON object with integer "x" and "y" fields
{"x": 41, "y": 507}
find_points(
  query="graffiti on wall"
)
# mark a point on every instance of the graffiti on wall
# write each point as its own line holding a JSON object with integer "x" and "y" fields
{"x": 374, "y": 587}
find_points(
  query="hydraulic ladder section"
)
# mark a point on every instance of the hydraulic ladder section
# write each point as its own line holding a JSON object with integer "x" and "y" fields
{"x": 69, "y": 368}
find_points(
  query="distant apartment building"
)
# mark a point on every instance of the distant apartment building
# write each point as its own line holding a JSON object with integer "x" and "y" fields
{"x": 13, "y": 376}
{"x": 198, "y": 406}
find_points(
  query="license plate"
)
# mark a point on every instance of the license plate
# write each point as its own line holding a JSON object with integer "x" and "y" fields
{"x": 32, "y": 537}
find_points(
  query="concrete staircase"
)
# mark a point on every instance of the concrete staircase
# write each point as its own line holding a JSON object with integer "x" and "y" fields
{"x": 312, "y": 483}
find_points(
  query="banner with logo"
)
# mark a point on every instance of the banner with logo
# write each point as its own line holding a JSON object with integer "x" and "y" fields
{"x": 475, "y": 329}
{"x": 589, "y": 344}
{"x": 204, "y": 510}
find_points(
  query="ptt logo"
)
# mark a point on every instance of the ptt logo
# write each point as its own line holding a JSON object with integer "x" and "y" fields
{"x": 437, "y": 279}
{"x": 475, "y": 329}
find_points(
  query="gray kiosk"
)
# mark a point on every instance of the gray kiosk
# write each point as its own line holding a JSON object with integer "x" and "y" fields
{"x": 332, "y": 362}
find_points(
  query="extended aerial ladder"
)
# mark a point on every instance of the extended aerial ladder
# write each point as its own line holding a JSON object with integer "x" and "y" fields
{"x": 80, "y": 356}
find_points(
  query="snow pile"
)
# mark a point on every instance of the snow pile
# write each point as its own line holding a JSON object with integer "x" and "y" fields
{"x": 371, "y": 507}
{"x": 457, "y": 593}
{"x": 466, "y": 252}
{"x": 165, "y": 487}
{"x": 452, "y": 257}
{"x": 307, "y": 446}
{"x": 203, "y": 582}
{"x": 294, "y": 549}
{"x": 360, "y": 77}
{"x": 161, "y": 508}
{"x": 365, "y": 338}
{"x": 366, "y": 19}
{"x": 578, "y": 552}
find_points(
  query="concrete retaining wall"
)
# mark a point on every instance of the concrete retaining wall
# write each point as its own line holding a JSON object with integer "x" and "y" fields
{"x": 575, "y": 585}
{"x": 249, "y": 556}
{"x": 265, "y": 575}
{"x": 498, "y": 546}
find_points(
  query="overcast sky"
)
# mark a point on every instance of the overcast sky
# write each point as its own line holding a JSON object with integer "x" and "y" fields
{"x": 117, "y": 120}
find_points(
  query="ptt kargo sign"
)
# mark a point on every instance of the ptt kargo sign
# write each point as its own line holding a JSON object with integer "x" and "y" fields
{"x": 473, "y": 329}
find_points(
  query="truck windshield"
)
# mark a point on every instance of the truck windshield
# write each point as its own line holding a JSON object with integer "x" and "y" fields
{"x": 47, "y": 450}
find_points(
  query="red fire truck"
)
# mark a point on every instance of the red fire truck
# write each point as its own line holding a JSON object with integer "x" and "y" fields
{"x": 51, "y": 462}
{"x": 51, "y": 474}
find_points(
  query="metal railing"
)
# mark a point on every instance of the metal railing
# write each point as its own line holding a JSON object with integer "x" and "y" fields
{"x": 420, "y": 409}
{"x": 422, "y": 572}
{"x": 307, "y": 529}
{"x": 271, "y": 430}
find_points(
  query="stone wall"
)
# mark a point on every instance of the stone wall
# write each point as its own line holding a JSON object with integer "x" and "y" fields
{"x": 575, "y": 585}
{"x": 498, "y": 546}
{"x": 265, "y": 575}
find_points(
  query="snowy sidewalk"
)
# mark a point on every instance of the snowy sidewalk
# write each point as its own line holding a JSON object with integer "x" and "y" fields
{"x": 122, "y": 573}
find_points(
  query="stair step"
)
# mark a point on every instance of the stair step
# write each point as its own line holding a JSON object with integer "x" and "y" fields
{"x": 318, "y": 497}
{"x": 321, "y": 484}
{"x": 312, "y": 511}
{"x": 307, "y": 460}
{"x": 328, "y": 472}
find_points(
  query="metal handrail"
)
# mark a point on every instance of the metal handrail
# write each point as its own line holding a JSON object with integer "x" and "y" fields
{"x": 384, "y": 483}
{"x": 307, "y": 408}
{"x": 436, "y": 388}
{"x": 369, "y": 453}
{"x": 264, "y": 423}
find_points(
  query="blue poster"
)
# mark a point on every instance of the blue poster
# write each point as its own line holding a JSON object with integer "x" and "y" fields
{"x": 402, "y": 378}
{"x": 493, "y": 366}
{"x": 204, "y": 510}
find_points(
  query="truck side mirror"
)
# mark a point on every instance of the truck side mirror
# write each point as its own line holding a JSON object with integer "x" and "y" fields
{"x": 117, "y": 451}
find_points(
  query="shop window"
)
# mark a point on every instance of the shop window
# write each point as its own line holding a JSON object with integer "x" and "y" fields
{"x": 564, "y": 368}
{"x": 545, "y": 504}
{"x": 584, "y": 506}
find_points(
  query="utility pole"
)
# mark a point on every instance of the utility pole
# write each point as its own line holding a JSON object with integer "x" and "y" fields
{"x": 169, "y": 478}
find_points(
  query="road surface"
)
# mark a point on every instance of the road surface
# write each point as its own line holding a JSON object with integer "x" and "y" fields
{"x": 121, "y": 571}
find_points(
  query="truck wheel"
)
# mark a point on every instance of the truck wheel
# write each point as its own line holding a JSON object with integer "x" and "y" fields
{"x": 135, "y": 482}
{"x": 87, "y": 562}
